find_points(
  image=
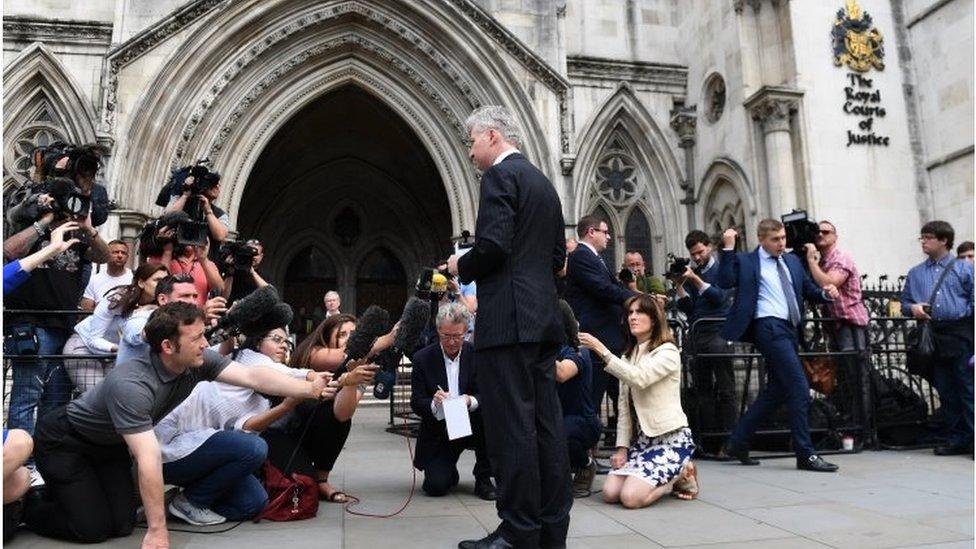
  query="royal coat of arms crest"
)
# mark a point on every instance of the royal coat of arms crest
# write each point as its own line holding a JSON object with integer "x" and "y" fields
{"x": 856, "y": 42}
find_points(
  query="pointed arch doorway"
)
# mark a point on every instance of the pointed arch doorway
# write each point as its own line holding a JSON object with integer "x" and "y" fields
{"x": 345, "y": 197}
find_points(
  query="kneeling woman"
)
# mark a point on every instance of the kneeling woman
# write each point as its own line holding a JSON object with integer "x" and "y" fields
{"x": 654, "y": 444}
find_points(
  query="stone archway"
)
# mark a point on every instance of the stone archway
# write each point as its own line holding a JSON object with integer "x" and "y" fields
{"x": 346, "y": 197}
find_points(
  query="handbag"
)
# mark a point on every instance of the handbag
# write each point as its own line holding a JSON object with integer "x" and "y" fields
{"x": 290, "y": 497}
{"x": 919, "y": 343}
{"x": 821, "y": 373}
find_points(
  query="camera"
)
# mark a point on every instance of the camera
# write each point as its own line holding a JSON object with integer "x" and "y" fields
{"x": 236, "y": 256}
{"x": 67, "y": 199}
{"x": 83, "y": 160}
{"x": 676, "y": 266}
{"x": 194, "y": 231}
{"x": 800, "y": 231}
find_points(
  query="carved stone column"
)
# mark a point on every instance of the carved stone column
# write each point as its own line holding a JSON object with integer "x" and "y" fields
{"x": 130, "y": 223}
{"x": 684, "y": 121}
{"x": 773, "y": 112}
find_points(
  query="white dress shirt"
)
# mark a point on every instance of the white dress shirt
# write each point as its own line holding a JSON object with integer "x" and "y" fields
{"x": 504, "y": 155}
{"x": 453, "y": 367}
{"x": 772, "y": 299}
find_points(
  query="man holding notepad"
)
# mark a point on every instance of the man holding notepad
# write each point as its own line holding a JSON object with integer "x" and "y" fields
{"x": 444, "y": 394}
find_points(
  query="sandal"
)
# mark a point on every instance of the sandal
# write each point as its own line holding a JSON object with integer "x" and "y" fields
{"x": 337, "y": 496}
{"x": 686, "y": 486}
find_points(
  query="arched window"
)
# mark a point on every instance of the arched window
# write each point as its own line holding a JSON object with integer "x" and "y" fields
{"x": 310, "y": 274}
{"x": 382, "y": 281}
{"x": 723, "y": 210}
{"x": 638, "y": 234}
{"x": 610, "y": 254}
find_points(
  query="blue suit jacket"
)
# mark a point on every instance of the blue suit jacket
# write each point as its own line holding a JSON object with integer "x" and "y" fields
{"x": 597, "y": 298}
{"x": 741, "y": 270}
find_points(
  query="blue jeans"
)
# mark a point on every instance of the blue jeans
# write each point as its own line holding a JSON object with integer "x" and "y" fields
{"x": 219, "y": 475}
{"x": 777, "y": 341}
{"x": 953, "y": 379}
{"x": 39, "y": 384}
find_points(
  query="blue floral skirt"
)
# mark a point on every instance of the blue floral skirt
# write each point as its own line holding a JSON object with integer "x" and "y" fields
{"x": 658, "y": 460}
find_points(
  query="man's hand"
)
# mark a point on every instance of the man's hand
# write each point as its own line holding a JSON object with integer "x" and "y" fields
{"x": 831, "y": 291}
{"x": 918, "y": 311}
{"x": 363, "y": 374}
{"x": 813, "y": 255}
{"x": 215, "y": 308}
{"x": 452, "y": 266}
{"x": 619, "y": 458}
{"x": 440, "y": 396}
{"x": 156, "y": 538}
{"x": 86, "y": 224}
{"x": 467, "y": 401}
{"x": 207, "y": 208}
{"x": 728, "y": 238}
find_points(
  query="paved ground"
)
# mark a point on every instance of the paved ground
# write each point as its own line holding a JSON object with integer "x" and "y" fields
{"x": 879, "y": 499}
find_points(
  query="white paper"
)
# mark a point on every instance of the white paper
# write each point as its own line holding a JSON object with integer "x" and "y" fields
{"x": 459, "y": 251}
{"x": 456, "y": 416}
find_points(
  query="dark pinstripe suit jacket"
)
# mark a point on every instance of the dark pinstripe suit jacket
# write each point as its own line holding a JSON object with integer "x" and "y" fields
{"x": 519, "y": 245}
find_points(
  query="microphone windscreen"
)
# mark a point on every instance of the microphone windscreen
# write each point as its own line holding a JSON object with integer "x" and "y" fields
{"x": 373, "y": 323}
{"x": 383, "y": 384}
{"x": 416, "y": 314}
{"x": 250, "y": 307}
{"x": 278, "y": 316}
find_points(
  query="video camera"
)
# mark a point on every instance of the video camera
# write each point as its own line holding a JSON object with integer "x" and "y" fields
{"x": 83, "y": 160}
{"x": 800, "y": 231}
{"x": 676, "y": 266}
{"x": 236, "y": 256}
{"x": 194, "y": 231}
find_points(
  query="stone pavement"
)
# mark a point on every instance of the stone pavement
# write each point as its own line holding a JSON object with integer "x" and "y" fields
{"x": 879, "y": 499}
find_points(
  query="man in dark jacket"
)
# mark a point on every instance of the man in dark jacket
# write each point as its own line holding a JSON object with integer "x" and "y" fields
{"x": 519, "y": 246}
{"x": 441, "y": 371}
{"x": 768, "y": 312}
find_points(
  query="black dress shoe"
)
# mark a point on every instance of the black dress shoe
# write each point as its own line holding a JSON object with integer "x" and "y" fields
{"x": 815, "y": 463}
{"x": 493, "y": 540}
{"x": 958, "y": 450}
{"x": 484, "y": 489}
{"x": 741, "y": 454}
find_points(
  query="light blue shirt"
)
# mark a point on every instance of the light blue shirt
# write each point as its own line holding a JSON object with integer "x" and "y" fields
{"x": 131, "y": 343}
{"x": 772, "y": 300}
{"x": 955, "y": 297}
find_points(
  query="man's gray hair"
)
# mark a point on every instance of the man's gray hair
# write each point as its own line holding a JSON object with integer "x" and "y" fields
{"x": 498, "y": 118}
{"x": 453, "y": 313}
{"x": 331, "y": 293}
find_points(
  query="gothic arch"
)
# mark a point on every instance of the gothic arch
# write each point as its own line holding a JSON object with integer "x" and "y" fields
{"x": 421, "y": 59}
{"x": 41, "y": 101}
{"x": 623, "y": 122}
{"x": 725, "y": 194}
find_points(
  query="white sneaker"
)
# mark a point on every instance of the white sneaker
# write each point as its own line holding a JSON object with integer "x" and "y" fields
{"x": 35, "y": 478}
{"x": 181, "y": 508}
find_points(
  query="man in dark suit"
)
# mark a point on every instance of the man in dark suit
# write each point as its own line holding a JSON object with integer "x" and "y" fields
{"x": 768, "y": 312}
{"x": 597, "y": 299}
{"x": 441, "y": 371}
{"x": 519, "y": 246}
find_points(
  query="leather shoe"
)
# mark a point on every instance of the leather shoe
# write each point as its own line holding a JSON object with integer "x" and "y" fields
{"x": 816, "y": 463}
{"x": 957, "y": 450}
{"x": 493, "y": 540}
{"x": 484, "y": 489}
{"x": 741, "y": 454}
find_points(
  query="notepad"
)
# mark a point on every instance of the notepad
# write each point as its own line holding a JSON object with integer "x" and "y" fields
{"x": 456, "y": 416}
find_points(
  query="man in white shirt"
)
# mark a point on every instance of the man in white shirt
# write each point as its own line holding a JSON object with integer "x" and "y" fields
{"x": 332, "y": 303}
{"x": 114, "y": 274}
{"x": 442, "y": 371}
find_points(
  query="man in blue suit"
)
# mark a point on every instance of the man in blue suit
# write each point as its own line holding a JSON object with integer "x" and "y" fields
{"x": 597, "y": 297}
{"x": 767, "y": 312}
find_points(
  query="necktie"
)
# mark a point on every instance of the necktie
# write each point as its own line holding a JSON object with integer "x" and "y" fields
{"x": 784, "y": 281}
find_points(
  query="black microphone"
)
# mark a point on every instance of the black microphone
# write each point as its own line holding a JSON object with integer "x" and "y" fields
{"x": 416, "y": 314}
{"x": 245, "y": 311}
{"x": 278, "y": 316}
{"x": 374, "y": 322}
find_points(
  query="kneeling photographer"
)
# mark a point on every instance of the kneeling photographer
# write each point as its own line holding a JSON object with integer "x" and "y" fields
{"x": 239, "y": 262}
{"x": 699, "y": 297}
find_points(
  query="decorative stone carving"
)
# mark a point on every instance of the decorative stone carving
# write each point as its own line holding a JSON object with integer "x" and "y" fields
{"x": 29, "y": 29}
{"x": 668, "y": 77}
{"x": 616, "y": 177}
{"x": 713, "y": 96}
{"x": 684, "y": 121}
{"x": 773, "y": 113}
{"x": 18, "y": 152}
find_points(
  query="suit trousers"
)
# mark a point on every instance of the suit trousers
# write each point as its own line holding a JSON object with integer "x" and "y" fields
{"x": 777, "y": 341}
{"x": 526, "y": 443}
{"x": 440, "y": 471}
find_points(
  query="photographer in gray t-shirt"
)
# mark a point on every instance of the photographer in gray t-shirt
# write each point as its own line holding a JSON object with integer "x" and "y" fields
{"x": 83, "y": 449}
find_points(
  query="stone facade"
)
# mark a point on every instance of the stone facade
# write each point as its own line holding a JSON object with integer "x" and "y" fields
{"x": 659, "y": 116}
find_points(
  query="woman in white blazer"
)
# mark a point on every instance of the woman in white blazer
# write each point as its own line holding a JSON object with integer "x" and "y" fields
{"x": 654, "y": 443}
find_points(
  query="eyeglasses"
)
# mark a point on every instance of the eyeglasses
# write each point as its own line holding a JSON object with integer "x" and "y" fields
{"x": 925, "y": 237}
{"x": 823, "y": 232}
{"x": 450, "y": 337}
{"x": 279, "y": 339}
{"x": 604, "y": 231}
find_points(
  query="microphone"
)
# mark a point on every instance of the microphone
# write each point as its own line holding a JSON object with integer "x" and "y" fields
{"x": 374, "y": 322}
{"x": 278, "y": 316}
{"x": 416, "y": 314}
{"x": 245, "y": 312}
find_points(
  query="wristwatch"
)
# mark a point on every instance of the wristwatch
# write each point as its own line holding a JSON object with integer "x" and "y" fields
{"x": 39, "y": 228}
